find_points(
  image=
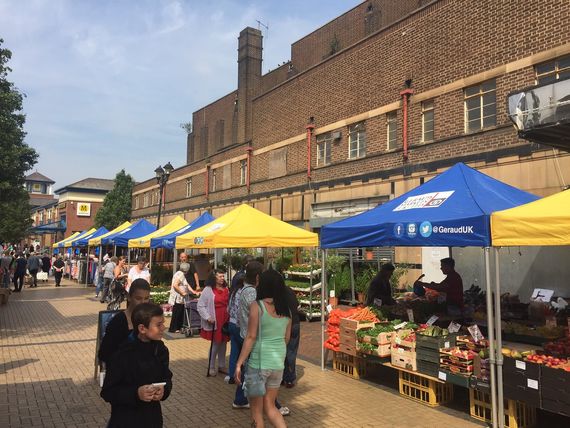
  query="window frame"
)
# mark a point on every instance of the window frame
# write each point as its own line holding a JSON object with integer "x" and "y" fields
{"x": 189, "y": 187}
{"x": 214, "y": 178}
{"x": 324, "y": 140}
{"x": 428, "y": 107}
{"x": 145, "y": 199}
{"x": 392, "y": 120}
{"x": 136, "y": 202}
{"x": 480, "y": 96}
{"x": 360, "y": 149}
{"x": 556, "y": 71}
{"x": 243, "y": 172}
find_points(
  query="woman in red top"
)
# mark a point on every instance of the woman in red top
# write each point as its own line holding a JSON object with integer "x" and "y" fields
{"x": 213, "y": 309}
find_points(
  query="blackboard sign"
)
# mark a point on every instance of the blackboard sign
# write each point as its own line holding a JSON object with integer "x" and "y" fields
{"x": 103, "y": 321}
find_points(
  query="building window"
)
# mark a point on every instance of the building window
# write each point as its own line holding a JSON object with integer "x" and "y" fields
{"x": 157, "y": 197}
{"x": 392, "y": 130}
{"x": 188, "y": 187}
{"x": 145, "y": 200}
{"x": 356, "y": 141}
{"x": 480, "y": 106}
{"x": 41, "y": 217}
{"x": 427, "y": 121}
{"x": 324, "y": 143}
{"x": 48, "y": 213}
{"x": 214, "y": 173}
{"x": 136, "y": 202}
{"x": 549, "y": 72}
{"x": 242, "y": 172}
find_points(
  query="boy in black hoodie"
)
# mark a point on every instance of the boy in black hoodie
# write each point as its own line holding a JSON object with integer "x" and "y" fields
{"x": 141, "y": 362}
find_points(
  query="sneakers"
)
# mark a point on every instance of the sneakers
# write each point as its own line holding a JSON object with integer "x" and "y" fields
{"x": 227, "y": 379}
{"x": 242, "y": 406}
{"x": 213, "y": 372}
{"x": 284, "y": 411}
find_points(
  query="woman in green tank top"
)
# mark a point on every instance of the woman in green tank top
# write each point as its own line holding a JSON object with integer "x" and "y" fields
{"x": 268, "y": 332}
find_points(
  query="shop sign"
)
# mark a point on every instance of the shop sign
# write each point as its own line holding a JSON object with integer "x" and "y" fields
{"x": 476, "y": 333}
{"x": 427, "y": 200}
{"x": 83, "y": 209}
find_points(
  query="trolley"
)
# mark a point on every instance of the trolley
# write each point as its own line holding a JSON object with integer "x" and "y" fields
{"x": 192, "y": 321}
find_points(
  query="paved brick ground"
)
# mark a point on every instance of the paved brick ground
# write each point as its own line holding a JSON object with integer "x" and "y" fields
{"x": 46, "y": 377}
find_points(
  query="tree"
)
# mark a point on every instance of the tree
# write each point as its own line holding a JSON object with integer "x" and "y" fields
{"x": 16, "y": 157}
{"x": 116, "y": 208}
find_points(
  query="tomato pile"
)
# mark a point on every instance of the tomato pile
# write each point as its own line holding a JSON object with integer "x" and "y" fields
{"x": 559, "y": 348}
{"x": 333, "y": 327}
{"x": 548, "y": 361}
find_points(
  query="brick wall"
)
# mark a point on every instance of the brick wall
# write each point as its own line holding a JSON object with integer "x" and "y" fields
{"x": 443, "y": 48}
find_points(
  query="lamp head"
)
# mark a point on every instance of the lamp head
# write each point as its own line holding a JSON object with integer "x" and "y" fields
{"x": 159, "y": 172}
{"x": 168, "y": 168}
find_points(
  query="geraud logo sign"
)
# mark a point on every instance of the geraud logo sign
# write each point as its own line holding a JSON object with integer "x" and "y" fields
{"x": 427, "y": 200}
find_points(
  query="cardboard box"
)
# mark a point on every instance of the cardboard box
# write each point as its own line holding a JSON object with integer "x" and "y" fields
{"x": 348, "y": 349}
{"x": 399, "y": 338}
{"x": 481, "y": 367}
{"x": 381, "y": 339}
{"x": 406, "y": 359}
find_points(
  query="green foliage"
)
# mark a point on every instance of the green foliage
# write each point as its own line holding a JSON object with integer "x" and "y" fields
{"x": 342, "y": 281}
{"x": 334, "y": 266}
{"x": 16, "y": 157}
{"x": 159, "y": 297}
{"x": 363, "y": 279}
{"x": 161, "y": 275}
{"x": 116, "y": 208}
{"x": 401, "y": 270}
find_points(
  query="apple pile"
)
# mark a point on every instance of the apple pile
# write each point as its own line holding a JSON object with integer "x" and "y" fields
{"x": 559, "y": 348}
{"x": 548, "y": 361}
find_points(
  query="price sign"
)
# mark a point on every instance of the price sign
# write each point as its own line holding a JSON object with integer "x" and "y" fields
{"x": 432, "y": 319}
{"x": 442, "y": 376}
{"x": 401, "y": 325}
{"x": 377, "y": 302}
{"x": 454, "y": 327}
{"x": 520, "y": 365}
{"x": 476, "y": 333}
{"x": 531, "y": 383}
{"x": 410, "y": 315}
{"x": 329, "y": 308}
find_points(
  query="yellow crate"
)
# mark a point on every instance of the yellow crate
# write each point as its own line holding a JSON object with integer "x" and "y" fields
{"x": 517, "y": 414}
{"x": 427, "y": 391}
{"x": 348, "y": 365}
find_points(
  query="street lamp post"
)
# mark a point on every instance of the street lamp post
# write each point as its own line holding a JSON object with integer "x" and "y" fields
{"x": 162, "y": 175}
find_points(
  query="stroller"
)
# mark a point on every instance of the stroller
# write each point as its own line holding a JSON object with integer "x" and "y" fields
{"x": 117, "y": 294}
{"x": 192, "y": 322}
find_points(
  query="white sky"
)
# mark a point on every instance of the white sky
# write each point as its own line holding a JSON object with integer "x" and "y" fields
{"x": 108, "y": 82}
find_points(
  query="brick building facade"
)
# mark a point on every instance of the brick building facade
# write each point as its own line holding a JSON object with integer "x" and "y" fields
{"x": 322, "y": 136}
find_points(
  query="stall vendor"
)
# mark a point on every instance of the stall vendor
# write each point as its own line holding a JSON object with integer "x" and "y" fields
{"x": 380, "y": 287}
{"x": 452, "y": 285}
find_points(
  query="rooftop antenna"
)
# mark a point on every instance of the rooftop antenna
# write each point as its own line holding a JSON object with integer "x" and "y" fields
{"x": 261, "y": 24}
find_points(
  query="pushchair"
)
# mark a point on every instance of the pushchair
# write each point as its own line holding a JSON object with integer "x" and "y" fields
{"x": 117, "y": 294}
{"x": 192, "y": 321}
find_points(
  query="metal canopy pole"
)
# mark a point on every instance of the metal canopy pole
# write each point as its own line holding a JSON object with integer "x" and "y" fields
{"x": 499, "y": 337}
{"x": 87, "y": 272}
{"x": 323, "y": 295}
{"x": 491, "y": 334}
{"x": 353, "y": 299}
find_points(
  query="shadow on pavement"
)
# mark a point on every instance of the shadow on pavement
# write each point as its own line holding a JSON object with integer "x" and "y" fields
{"x": 11, "y": 365}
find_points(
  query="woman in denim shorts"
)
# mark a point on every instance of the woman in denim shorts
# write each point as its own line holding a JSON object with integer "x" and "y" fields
{"x": 267, "y": 352}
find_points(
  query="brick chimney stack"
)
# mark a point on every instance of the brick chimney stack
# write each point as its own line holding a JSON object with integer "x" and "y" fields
{"x": 250, "y": 47}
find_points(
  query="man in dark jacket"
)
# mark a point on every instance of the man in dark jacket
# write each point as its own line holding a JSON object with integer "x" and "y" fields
{"x": 138, "y": 377}
{"x": 34, "y": 265}
{"x": 19, "y": 265}
{"x": 380, "y": 287}
{"x": 46, "y": 263}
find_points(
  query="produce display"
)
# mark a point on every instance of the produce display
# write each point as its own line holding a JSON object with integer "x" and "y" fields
{"x": 559, "y": 348}
{"x": 333, "y": 328}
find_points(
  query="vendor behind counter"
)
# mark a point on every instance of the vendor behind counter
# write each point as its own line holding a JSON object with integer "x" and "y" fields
{"x": 452, "y": 285}
{"x": 380, "y": 287}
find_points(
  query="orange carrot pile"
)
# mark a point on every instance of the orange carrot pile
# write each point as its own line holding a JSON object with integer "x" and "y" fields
{"x": 364, "y": 314}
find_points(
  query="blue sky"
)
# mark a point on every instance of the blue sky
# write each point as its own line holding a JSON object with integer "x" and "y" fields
{"x": 108, "y": 82}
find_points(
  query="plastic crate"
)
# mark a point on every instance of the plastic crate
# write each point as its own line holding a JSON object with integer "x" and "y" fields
{"x": 517, "y": 414}
{"x": 348, "y": 365}
{"x": 426, "y": 391}
{"x": 427, "y": 367}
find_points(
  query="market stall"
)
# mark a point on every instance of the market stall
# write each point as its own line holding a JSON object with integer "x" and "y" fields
{"x": 97, "y": 241}
{"x": 61, "y": 243}
{"x": 450, "y": 210}
{"x": 135, "y": 231}
{"x": 545, "y": 222}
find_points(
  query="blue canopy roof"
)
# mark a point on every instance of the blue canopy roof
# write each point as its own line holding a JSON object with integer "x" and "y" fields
{"x": 121, "y": 239}
{"x": 167, "y": 241}
{"x": 450, "y": 210}
{"x": 84, "y": 240}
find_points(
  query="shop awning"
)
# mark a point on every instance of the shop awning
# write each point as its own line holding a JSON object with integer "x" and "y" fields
{"x": 69, "y": 244}
{"x": 96, "y": 241}
{"x": 84, "y": 240}
{"x": 144, "y": 241}
{"x": 63, "y": 241}
{"x": 450, "y": 210}
{"x": 543, "y": 222}
{"x": 53, "y": 227}
{"x": 136, "y": 230}
{"x": 246, "y": 227}
{"x": 167, "y": 241}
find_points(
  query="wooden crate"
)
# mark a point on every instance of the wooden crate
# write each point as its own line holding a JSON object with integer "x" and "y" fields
{"x": 349, "y": 365}
{"x": 517, "y": 414}
{"x": 404, "y": 358}
{"x": 354, "y": 324}
{"x": 424, "y": 390}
